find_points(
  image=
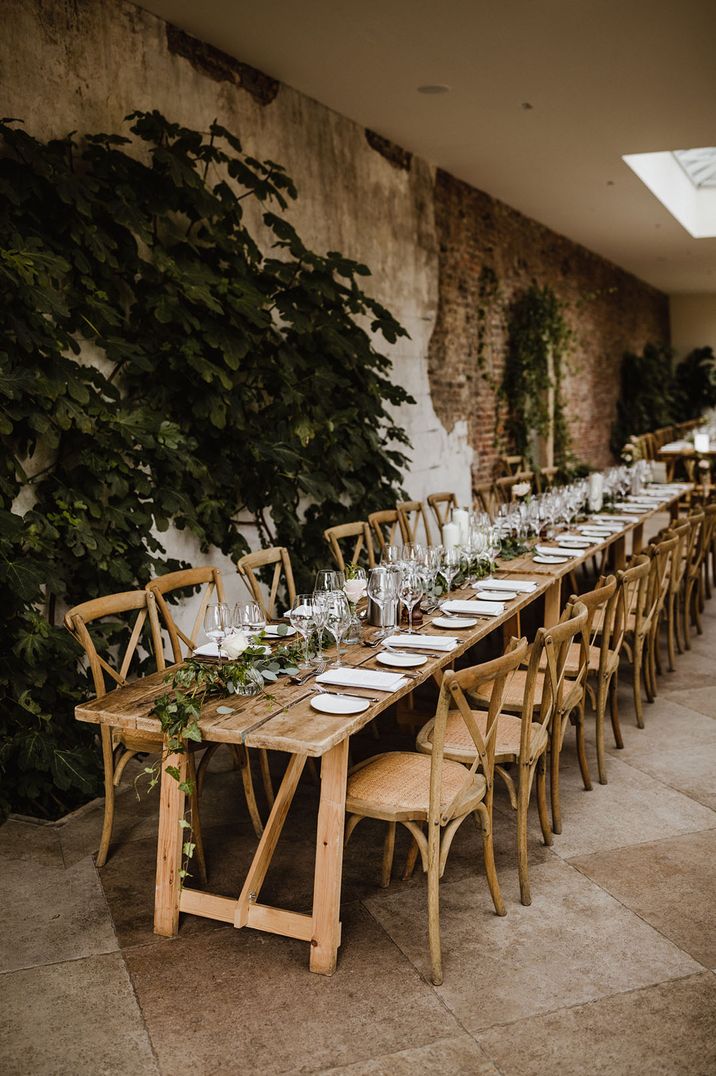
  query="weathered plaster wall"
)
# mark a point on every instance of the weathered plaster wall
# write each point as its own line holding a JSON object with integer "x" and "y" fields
{"x": 84, "y": 64}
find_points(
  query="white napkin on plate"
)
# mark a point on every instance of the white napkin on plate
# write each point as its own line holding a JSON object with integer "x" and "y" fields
{"x": 472, "y": 605}
{"x": 347, "y": 677}
{"x": 424, "y": 642}
{"x": 518, "y": 586}
{"x": 555, "y": 551}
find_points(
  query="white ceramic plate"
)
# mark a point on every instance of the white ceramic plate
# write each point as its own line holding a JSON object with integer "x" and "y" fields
{"x": 272, "y": 631}
{"x": 495, "y": 595}
{"x": 337, "y": 704}
{"x": 455, "y": 622}
{"x": 578, "y": 543}
{"x": 401, "y": 661}
{"x": 551, "y": 560}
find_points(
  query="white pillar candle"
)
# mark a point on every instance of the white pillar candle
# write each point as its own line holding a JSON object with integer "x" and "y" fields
{"x": 596, "y": 491}
{"x": 461, "y": 518}
{"x": 451, "y": 535}
{"x": 701, "y": 442}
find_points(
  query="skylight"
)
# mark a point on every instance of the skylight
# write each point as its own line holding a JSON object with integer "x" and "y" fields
{"x": 684, "y": 181}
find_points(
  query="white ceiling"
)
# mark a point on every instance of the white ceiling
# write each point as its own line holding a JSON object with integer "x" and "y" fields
{"x": 604, "y": 78}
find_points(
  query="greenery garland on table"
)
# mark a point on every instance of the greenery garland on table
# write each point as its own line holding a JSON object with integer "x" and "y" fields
{"x": 162, "y": 365}
{"x": 536, "y": 327}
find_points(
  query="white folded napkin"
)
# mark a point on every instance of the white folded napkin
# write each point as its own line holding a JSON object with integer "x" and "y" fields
{"x": 555, "y": 551}
{"x": 520, "y": 586}
{"x": 347, "y": 677}
{"x": 577, "y": 541}
{"x": 472, "y": 605}
{"x": 424, "y": 642}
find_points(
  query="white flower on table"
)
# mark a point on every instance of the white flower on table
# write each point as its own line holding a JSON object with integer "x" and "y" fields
{"x": 355, "y": 589}
{"x": 521, "y": 489}
{"x": 235, "y": 644}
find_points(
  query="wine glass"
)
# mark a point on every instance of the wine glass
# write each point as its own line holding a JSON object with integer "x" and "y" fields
{"x": 303, "y": 619}
{"x": 217, "y": 623}
{"x": 250, "y": 617}
{"x": 337, "y": 618}
{"x": 329, "y": 579}
{"x": 392, "y": 554}
{"x": 410, "y": 592}
{"x": 450, "y": 566}
{"x": 383, "y": 591}
{"x": 412, "y": 553}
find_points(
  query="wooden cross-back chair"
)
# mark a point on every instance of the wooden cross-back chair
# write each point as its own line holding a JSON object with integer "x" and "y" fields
{"x": 509, "y": 465}
{"x": 251, "y": 563}
{"x": 672, "y": 609}
{"x": 172, "y": 584}
{"x": 642, "y": 622}
{"x": 665, "y": 549}
{"x": 505, "y": 485}
{"x": 120, "y": 745}
{"x": 362, "y": 547}
{"x": 385, "y": 524}
{"x": 485, "y": 499}
{"x": 694, "y": 589}
{"x": 535, "y": 701}
{"x": 411, "y": 515}
{"x": 432, "y": 796}
{"x": 442, "y": 504}
{"x": 545, "y": 478}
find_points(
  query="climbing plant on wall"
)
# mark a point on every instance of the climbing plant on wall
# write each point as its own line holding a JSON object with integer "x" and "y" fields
{"x": 161, "y": 363}
{"x": 537, "y": 344}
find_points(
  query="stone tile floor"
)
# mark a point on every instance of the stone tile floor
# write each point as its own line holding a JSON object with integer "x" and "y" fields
{"x": 612, "y": 969}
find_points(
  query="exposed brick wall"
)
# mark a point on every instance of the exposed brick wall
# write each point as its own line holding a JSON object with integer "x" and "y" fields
{"x": 609, "y": 310}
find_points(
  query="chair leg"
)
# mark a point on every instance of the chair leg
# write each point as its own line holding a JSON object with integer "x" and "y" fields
{"x": 581, "y": 749}
{"x": 686, "y": 618}
{"x": 388, "y": 853}
{"x": 195, "y": 819}
{"x": 410, "y": 860}
{"x": 614, "y": 715}
{"x": 670, "y": 631}
{"x": 523, "y": 797}
{"x": 554, "y": 754}
{"x": 266, "y": 776}
{"x": 482, "y": 816}
{"x": 679, "y": 621}
{"x": 542, "y": 800}
{"x": 434, "y": 904}
{"x": 108, "y": 820}
{"x": 698, "y": 605}
{"x": 637, "y": 662}
{"x": 242, "y": 754}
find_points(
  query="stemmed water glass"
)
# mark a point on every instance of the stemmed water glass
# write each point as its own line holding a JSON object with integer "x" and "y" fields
{"x": 411, "y": 591}
{"x": 250, "y": 618}
{"x": 383, "y": 591}
{"x": 217, "y": 623}
{"x": 329, "y": 579}
{"x": 302, "y": 616}
{"x": 450, "y": 566}
{"x": 392, "y": 554}
{"x": 337, "y": 614}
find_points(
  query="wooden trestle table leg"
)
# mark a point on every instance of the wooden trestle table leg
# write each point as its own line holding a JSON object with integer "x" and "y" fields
{"x": 329, "y": 860}
{"x": 167, "y": 890}
{"x": 619, "y": 554}
{"x": 552, "y": 597}
{"x": 637, "y": 539}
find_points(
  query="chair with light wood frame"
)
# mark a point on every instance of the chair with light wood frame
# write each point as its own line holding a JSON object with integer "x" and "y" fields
{"x": 694, "y": 582}
{"x": 251, "y": 564}
{"x": 210, "y": 579}
{"x": 437, "y": 792}
{"x": 504, "y": 486}
{"x": 442, "y": 504}
{"x": 362, "y": 548}
{"x": 640, "y": 621}
{"x": 672, "y": 608}
{"x": 411, "y": 515}
{"x": 385, "y": 524}
{"x": 665, "y": 550}
{"x": 523, "y": 737}
{"x": 485, "y": 499}
{"x": 510, "y": 465}
{"x": 121, "y": 745}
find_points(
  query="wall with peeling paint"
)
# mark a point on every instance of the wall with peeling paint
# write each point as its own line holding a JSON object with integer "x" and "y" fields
{"x": 85, "y": 64}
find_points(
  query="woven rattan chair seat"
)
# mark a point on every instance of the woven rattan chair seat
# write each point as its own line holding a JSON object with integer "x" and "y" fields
{"x": 573, "y": 658}
{"x": 399, "y": 782}
{"x": 460, "y": 744}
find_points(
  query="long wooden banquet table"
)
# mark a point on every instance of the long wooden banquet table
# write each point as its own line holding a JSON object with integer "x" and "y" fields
{"x": 286, "y": 722}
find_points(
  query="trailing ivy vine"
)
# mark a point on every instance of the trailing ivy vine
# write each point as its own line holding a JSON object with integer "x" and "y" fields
{"x": 161, "y": 365}
{"x": 536, "y": 327}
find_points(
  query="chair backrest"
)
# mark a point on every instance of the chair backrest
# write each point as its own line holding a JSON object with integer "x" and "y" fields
{"x": 485, "y": 499}
{"x": 504, "y": 486}
{"x": 663, "y": 554}
{"x": 550, "y": 648}
{"x": 603, "y": 597}
{"x": 411, "y": 514}
{"x": 453, "y": 688}
{"x": 441, "y": 504}
{"x": 545, "y": 478}
{"x": 251, "y": 563}
{"x": 680, "y": 531}
{"x": 632, "y": 589}
{"x": 708, "y": 531}
{"x": 509, "y": 465}
{"x": 385, "y": 524}
{"x": 363, "y": 546}
{"x": 78, "y": 618}
{"x": 693, "y": 549}
{"x": 189, "y": 579}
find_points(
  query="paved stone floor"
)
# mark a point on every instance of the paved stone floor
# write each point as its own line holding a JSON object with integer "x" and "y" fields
{"x": 612, "y": 969}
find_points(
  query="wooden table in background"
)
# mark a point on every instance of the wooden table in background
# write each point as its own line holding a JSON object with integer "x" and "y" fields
{"x": 286, "y": 722}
